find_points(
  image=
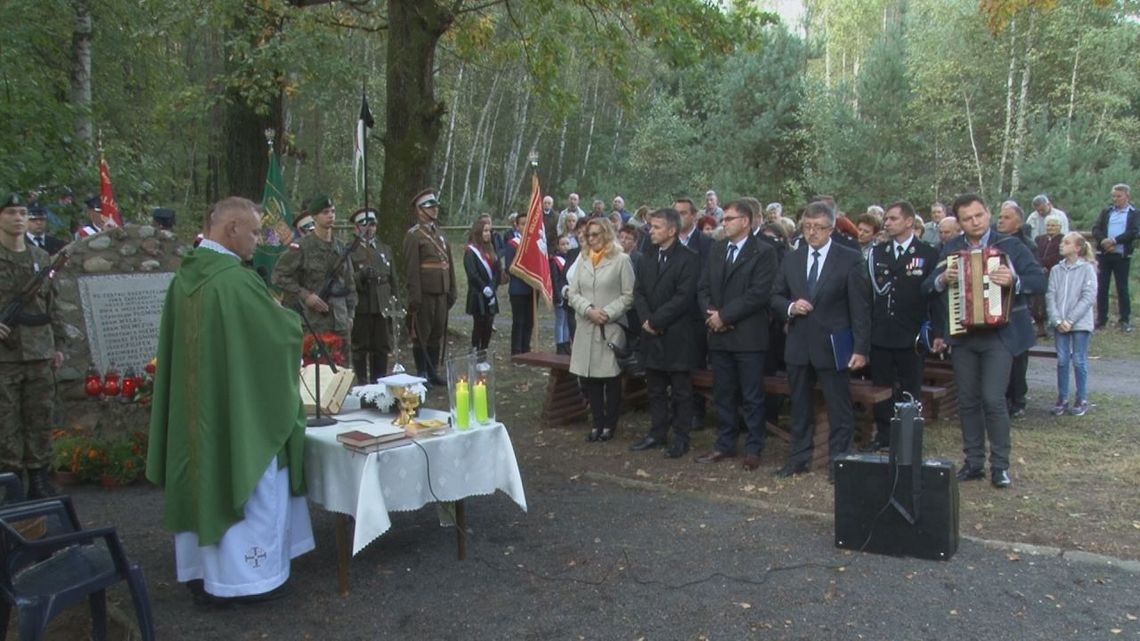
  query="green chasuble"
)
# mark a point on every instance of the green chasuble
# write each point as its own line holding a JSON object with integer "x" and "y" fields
{"x": 226, "y": 394}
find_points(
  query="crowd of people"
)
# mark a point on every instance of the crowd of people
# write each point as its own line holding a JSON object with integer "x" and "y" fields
{"x": 745, "y": 291}
{"x": 740, "y": 289}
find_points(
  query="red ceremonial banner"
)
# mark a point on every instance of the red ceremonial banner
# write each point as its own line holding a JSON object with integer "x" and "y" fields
{"x": 531, "y": 262}
{"x": 107, "y": 195}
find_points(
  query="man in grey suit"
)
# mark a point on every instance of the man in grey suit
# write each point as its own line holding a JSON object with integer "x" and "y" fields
{"x": 823, "y": 293}
{"x": 983, "y": 357}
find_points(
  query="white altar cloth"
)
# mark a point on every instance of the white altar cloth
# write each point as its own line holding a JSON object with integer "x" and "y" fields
{"x": 367, "y": 487}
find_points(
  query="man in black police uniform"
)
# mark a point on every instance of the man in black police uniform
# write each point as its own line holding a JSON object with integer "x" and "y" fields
{"x": 37, "y": 231}
{"x": 898, "y": 309}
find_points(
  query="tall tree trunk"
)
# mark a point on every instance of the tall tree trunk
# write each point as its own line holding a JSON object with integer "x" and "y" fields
{"x": 590, "y": 133}
{"x": 1022, "y": 111}
{"x": 1073, "y": 80}
{"x": 479, "y": 127}
{"x": 1008, "y": 103}
{"x": 451, "y": 127}
{"x": 511, "y": 167}
{"x": 561, "y": 149}
{"x": 413, "y": 116}
{"x": 974, "y": 142}
{"x": 243, "y": 124}
{"x": 485, "y": 160}
{"x": 81, "y": 78}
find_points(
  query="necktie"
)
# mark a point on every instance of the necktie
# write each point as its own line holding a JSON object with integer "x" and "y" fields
{"x": 813, "y": 275}
{"x": 898, "y": 251}
{"x": 731, "y": 253}
{"x": 660, "y": 258}
{"x": 40, "y": 241}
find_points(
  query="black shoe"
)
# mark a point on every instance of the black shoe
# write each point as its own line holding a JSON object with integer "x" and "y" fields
{"x": 647, "y": 443}
{"x": 201, "y": 597}
{"x": 40, "y": 485}
{"x": 606, "y": 434}
{"x": 967, "y": 473}
{"x": 1000, "y": 477}
{"x": 594, "y": 435}
{"x": 1017, "y": 412}
{"x": 790, "y": 470}
{"x": 875, "y": 445}
{"x": 676, "y": 450}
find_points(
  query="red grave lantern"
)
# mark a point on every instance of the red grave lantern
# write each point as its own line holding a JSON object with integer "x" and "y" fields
{"x": 93, "y": 384}
{"x": 111, "y": 383}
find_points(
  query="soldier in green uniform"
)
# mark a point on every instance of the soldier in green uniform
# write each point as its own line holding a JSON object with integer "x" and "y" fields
{"x": 375, "y": 282}
{"x": 30, "y": 352}
{"x": 305, "y": 267}
{"x": 431, "y": 285}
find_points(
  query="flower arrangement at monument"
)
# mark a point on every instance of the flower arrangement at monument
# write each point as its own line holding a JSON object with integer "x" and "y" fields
{"x": 311, "y": 352}
{"x": 84, "y": 457}
{"x": 144, "y": 389}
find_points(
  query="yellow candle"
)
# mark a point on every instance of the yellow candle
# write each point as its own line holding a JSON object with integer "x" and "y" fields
{"x": 462, "y": 405}
{"x": 481, "y": 402}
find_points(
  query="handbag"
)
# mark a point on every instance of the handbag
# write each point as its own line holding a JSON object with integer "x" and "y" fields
{"x": 628, "y": 358}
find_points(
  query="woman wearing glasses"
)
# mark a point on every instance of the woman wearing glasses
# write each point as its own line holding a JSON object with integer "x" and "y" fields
{"x": 601, "y": 291}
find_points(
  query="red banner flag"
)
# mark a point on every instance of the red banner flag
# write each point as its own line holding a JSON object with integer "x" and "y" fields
{"x": 107, "y": 195}
{"x": 532, "y": 263}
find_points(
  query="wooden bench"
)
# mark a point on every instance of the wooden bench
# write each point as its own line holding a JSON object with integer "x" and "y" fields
{"x": 565, "y": 404}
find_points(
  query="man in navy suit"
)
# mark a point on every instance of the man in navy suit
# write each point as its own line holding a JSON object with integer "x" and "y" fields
{"x": 823, "y": 293}
{"x": 734, "y": 294}
{"x": 983, "y": 357}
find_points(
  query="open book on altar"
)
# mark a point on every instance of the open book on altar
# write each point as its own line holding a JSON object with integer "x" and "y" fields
{"x": 334, "y": 387}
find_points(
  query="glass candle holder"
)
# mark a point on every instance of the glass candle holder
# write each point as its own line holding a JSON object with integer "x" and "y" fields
{"x": 459, "y": 391}
{"x": 483, "y": 386}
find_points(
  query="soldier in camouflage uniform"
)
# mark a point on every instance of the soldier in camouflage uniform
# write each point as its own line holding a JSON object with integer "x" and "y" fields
{"x": 375, "y": 282}
{"x": 303, "y": 269}
{"x": 30, "y": 352}
{"x": 431, "y": 285}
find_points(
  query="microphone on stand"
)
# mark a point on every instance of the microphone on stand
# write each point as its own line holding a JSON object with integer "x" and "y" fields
{"x": 322, "y": 349}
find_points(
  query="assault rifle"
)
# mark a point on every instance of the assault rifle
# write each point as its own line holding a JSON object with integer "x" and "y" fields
{"x": 330, "y": 279}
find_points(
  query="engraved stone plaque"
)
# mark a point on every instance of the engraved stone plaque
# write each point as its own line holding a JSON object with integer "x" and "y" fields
{"x": 122, "y": 313}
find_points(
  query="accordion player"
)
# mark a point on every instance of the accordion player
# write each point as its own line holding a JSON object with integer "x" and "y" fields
{"x": 973, "y": 300}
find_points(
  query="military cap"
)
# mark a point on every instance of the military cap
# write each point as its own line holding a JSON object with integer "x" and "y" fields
{"x": 11, "y": 199}
{"x": 425, "y": 199}
{"x": 94, "y": 203}
{"x": 37, "y": 211}
{"x": 304, "y": 220}
{"x": 362, "y": 216}
{"x": 318, "y": 203}
{"x": 163, "y": 216}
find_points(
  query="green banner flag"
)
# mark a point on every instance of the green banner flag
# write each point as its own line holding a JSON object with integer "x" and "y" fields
{"x": 276, "y": 218}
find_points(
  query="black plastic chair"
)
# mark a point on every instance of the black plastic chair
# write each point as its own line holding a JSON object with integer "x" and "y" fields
{"x": 45, "y": 572}
{"x": 13, "y": 488}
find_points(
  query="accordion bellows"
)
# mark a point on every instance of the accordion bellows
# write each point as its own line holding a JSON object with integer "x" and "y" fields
{"x": 974, "y": 301}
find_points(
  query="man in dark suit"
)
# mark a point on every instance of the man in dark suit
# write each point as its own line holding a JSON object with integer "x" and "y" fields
{"x": 982, "y": 357}
{"x": 826, "y": 301}
{"x": 1117, "y": 226}
{"x": 665, "y": 297}
{"x": 37, "y": 231}
{"x": 898, "y": 310}
{"x": 521, "y": 294}
{"x": 691, "y": 237}
{"x": 734, "y": 294}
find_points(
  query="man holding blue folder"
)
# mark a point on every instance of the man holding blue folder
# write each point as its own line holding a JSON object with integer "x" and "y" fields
{"x": 823, "y": 293}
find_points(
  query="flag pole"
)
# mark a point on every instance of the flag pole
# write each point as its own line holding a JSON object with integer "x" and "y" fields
{"x": 364, "y": 139}
{"x": 533, "y": 158}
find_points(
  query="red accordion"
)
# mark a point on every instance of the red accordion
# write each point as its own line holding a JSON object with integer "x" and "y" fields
{"x": 974, "y": 301}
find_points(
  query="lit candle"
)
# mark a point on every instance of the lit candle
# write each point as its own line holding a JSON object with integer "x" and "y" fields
{"x": 462, "y": 405}
{"x": 481, "y": 402}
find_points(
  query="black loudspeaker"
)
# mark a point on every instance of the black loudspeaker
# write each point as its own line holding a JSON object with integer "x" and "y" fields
{"x": 867, "y": 519}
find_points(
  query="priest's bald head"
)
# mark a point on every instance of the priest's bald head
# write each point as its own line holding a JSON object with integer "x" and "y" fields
{"x": 236, "y": 225}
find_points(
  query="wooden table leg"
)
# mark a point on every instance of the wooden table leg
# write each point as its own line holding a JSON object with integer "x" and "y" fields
{"x": 342, "y": 529}
{"x": 461, "y": 529}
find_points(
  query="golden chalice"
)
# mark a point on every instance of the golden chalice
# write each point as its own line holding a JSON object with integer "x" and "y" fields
{"x": 409, "y": 402}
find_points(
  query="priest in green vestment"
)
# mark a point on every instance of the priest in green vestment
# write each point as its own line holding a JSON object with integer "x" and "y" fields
{"x": 227, "y": 424}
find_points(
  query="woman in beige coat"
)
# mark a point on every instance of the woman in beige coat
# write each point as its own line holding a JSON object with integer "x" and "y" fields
{"x": 601, "y": 292}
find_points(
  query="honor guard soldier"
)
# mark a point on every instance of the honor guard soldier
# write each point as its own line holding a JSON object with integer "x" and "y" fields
{"x": 898, "y": 310}
{"x": 375, "y": 283}
{"x": 431, "y": 285}
{"x": 95, "y": 220}
{"x": 30, "y": 351}
{"x": 312, "y": 271}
